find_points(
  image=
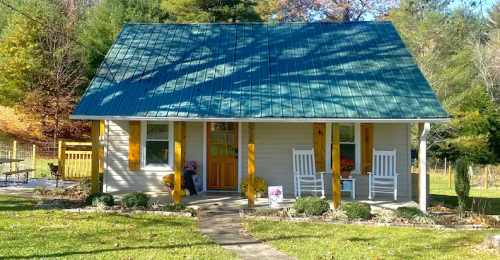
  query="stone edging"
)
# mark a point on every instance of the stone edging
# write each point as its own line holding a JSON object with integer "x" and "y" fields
{"x": 361, "y": 223}
{"x": 128, "y": 212}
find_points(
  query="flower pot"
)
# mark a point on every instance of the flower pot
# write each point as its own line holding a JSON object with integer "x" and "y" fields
{"x": 259, "y": 194}
{"x": 345, "y": 174}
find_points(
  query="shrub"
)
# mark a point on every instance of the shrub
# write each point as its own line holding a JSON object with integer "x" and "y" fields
{"x": 39, "y": 189}
{"x": 104, "y": 198}
{"x": 266, "y": 211}
{"x": 173, "y": 207}
{"x": 135, "y": 199}
{"x": 384, "y": 216}
{"x": 424, "y": 219}
{"x": 357, "y": 210}
{"x": 408, "y": 212}
{"x": 462, "y": 185}
{"x": 86, "y": 183}
{"x": 311, "y": 206}
{"x": 338, "y": 216}
{"x": 260, "y": 185}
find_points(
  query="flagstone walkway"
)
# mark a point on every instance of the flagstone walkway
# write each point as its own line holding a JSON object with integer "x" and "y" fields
{"x": 226, "y": 229}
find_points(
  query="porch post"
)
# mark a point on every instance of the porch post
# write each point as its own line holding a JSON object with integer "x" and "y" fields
{"x": 422, "y": 166}
{"x": 251, "y": 164}
{"x": 336, "y": 164}
{"x": 94, "y": 180}
{"x": 178, "y": 154}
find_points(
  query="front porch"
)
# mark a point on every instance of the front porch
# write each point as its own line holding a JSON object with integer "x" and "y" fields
{"x": 233, "y": 202}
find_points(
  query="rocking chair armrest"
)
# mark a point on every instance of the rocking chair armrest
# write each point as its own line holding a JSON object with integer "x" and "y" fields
{"x": 320, "y": 172}
{"x": 369, "y": 173}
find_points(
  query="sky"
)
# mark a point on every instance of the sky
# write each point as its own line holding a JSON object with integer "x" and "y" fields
{"x": 487, "y": 4}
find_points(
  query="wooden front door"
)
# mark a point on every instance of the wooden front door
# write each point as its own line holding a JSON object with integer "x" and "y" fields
{"x": 222, "y": 159}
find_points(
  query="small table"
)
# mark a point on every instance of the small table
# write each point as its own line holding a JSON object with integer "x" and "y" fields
{"x": 352, "y": 187}
{"x": 8, "y": 161}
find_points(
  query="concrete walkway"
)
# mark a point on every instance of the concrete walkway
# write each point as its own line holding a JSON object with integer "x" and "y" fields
{"x": 226, "y": 229}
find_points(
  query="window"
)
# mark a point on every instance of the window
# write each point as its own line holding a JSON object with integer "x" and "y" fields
{"x": 349, "y": 145}
{"x": 348, "y": 142}
{"x": 156, "y": 145}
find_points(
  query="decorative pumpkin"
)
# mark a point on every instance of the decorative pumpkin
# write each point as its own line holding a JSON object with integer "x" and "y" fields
{"x": 187, "y": 192}
{"x": 183, "y": 193}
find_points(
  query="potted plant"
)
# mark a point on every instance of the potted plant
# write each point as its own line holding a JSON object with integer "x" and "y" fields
{"x": 259, "y": 189}
{"x": 168, "y": 181}
{"x": 346, "y": 166}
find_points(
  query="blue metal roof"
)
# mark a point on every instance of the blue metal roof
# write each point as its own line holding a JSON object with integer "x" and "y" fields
{"x": 359, "y": 70}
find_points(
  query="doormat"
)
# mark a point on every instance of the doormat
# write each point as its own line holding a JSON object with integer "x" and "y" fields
{"x": 222, "y": 194}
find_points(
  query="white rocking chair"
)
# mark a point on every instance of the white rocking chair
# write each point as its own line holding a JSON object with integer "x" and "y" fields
{"x": 383, "y": 177}
{"x": 305, "y": 177}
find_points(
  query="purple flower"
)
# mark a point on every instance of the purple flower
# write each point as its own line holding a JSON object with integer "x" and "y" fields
{"x": 190, "y": 166}
{"x": 275, "y": 192}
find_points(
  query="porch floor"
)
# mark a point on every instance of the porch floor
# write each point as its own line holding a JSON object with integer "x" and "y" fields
{"x": 232, "y": 203}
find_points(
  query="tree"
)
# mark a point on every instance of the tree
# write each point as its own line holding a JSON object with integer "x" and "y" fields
{"x": 462, "y": 184}
{"x": 186, "y": 11}
{"x": 99, "y": 27}
{"x": 331, "y": 10}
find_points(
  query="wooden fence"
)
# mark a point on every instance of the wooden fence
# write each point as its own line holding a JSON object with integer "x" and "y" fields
{"x": 75, "y": 160}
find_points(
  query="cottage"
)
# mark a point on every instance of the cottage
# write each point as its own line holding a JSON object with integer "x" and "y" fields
{"x": 238, "y": 98}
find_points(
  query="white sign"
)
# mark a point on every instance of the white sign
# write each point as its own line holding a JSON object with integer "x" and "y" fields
{"x": 275, "y": 196}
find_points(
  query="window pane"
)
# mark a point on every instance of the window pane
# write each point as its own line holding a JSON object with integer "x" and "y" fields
{"x": 222, "y": 126}
{"x": 213, "y": 149}
{"x": 157, "y": 131}
{"x": 230, "y": 126}
{"x": 222, "y": 150}
{"x": 230, "y": 138}
{"x": 213, "y": 137}
{"x": 222, "y": 138}
{"x": 213, "y": 126}
{"x": 346, "y": 151}
{"x": 156, "y": 152}
{"x": 231, "y": 150}
{"x": 347, "y": 133}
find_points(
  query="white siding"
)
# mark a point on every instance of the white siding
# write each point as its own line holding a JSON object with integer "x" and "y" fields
{"x": 118, "y": 177}
{"x": 273, "y": 155}
{"x": 194, "y": 145}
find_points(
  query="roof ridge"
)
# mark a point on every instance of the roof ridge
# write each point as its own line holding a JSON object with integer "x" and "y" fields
{"x": 262, "y": 23}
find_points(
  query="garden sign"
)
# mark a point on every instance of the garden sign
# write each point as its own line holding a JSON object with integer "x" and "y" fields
{"x": 275, "y": 196}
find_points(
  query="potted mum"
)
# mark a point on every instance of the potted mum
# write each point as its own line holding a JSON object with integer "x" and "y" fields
{"x": 168, "y": 181}
{"x": 346, "y": 166}
{"x": 259, "y": 189}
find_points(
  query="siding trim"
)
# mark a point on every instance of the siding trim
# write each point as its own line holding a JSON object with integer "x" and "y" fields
{"x": 263, "y": 120}
{"x": 240, "y": 147}
{"x": 205, "y": 157}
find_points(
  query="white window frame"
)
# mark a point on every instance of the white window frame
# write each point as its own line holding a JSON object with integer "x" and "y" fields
{"x": 357, "y": 142}
{"x": 163, "y": 167}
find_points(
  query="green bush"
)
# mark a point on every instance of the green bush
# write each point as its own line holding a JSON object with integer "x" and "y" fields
{"x": 462, "y": 184}
{"x": 311, "y": 206}
{"x": 408, "y": 212}
{"x": 356, "y": 210}
{"x": 135, "y": 199}
{"x": 173, "y": 207}
{"x": 86, "y": 182}
{"x": 105, "y": 198}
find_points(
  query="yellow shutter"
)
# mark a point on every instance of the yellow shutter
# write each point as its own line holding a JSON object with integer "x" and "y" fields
{"x": 101, "y": 148}
{"x": 319, "y": 139}
{"x": 134, "y": 151}
{"x": 366, "y": 147}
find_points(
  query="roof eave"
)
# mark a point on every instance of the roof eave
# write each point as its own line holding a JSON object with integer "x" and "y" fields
{"x": 265, "y": 119}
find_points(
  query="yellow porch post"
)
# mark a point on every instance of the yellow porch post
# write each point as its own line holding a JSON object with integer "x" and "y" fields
{"x": 336, "y": 164}
{"x": 94, "y": 182}
{"x": 178, "y": 159}
{"x": 251, "y": 164}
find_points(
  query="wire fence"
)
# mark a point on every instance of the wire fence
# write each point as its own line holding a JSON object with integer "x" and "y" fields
{"x": 34, "y": 157}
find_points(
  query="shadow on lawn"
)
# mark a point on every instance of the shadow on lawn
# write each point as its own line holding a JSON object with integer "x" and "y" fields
{"x": 88, "y": 252}
{"x": 489, "y": 206}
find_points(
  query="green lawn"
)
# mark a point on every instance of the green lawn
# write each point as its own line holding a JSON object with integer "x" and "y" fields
{"x": 26, "y": 233}
{"x": 330, "y": 241}
{"x": 487, "y": 199}
{"x": 42, "y": 169}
